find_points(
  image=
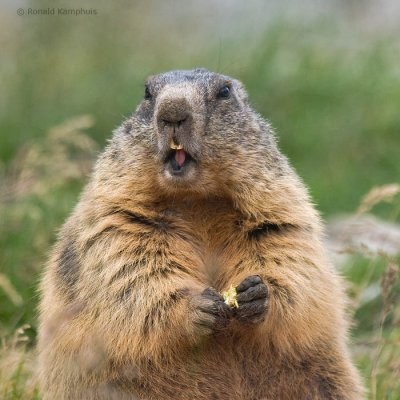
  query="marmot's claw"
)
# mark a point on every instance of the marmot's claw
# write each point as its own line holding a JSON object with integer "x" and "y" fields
{"x": 248, "y": 282}
{"x": 211, "y": 312}
{"x": 253, "y": 299}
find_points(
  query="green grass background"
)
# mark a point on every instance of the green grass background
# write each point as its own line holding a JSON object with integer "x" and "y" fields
{"x": 326, "y": 76}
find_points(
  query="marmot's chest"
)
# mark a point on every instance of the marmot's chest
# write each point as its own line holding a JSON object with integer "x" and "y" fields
{"x": 217, "y": 239}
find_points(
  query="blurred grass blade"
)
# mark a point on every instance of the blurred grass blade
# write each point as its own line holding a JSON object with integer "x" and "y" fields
{"x": 10, "y": 291}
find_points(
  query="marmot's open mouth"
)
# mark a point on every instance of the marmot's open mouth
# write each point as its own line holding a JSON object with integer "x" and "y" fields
{"x": 178, "y": 160}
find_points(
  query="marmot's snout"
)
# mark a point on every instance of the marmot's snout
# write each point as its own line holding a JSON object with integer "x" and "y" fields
{"x": 175, "y": 129}
{"x": 175, "y": 120}
{"x": 174, "y": 111}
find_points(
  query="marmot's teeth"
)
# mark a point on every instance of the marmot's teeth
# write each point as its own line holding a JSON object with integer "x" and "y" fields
{"x": 175, "y": 146}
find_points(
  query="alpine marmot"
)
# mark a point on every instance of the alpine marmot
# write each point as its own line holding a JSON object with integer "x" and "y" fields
{"x": 190, "y": 198}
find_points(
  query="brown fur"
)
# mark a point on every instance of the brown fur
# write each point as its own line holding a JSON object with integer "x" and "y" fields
{"x": 123, "y": 294}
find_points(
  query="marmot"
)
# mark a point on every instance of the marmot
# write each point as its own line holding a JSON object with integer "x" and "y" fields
{"x": 190, "y": 197}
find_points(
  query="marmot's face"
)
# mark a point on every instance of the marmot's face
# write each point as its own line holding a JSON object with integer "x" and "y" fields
{"x": 200, "y": 127}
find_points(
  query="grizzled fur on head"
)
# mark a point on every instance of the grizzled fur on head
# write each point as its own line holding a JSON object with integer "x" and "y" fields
{"x": 225, "y": 137}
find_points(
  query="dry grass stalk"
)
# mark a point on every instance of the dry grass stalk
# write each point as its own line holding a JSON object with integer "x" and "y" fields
{"x": 377, "y": 195}
{"x": 17, "y": 368}
{"x": 388, "y": 281}
{"x": 66, "y": 153}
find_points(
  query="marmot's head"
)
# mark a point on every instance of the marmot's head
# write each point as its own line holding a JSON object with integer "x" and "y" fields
{"x": 195, "y": 135}
{"x": 195, "y": 131}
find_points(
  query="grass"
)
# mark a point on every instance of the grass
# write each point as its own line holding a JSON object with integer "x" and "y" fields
{"x": 332, "y": 95}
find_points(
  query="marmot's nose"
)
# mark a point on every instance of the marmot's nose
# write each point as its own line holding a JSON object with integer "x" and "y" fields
{"x": 174, "y": 114}
{"x": 176, "y": 120}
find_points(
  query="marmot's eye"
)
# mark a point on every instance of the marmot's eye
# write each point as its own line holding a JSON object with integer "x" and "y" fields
{"x": 147, "y": 94}
{"x": 224, "y": 92}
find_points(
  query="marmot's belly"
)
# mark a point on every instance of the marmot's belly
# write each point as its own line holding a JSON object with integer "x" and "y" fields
{"x": 226, "y": 373}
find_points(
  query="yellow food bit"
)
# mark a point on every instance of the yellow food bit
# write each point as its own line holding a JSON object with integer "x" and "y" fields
{"x": 230, "y": 297}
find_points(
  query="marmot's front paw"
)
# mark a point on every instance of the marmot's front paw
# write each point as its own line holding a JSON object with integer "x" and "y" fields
{"x": 252, "y": 296}
{"x": 210, "y": 311}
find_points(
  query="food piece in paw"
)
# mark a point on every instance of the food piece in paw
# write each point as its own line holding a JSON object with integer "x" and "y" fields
{"x": 230, "y": 297}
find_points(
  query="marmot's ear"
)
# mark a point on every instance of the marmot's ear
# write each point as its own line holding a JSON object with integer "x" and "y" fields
{"x": 149, "y": 79}
{"x": 201, "y": 70}
{"x": 241, "y": 91}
